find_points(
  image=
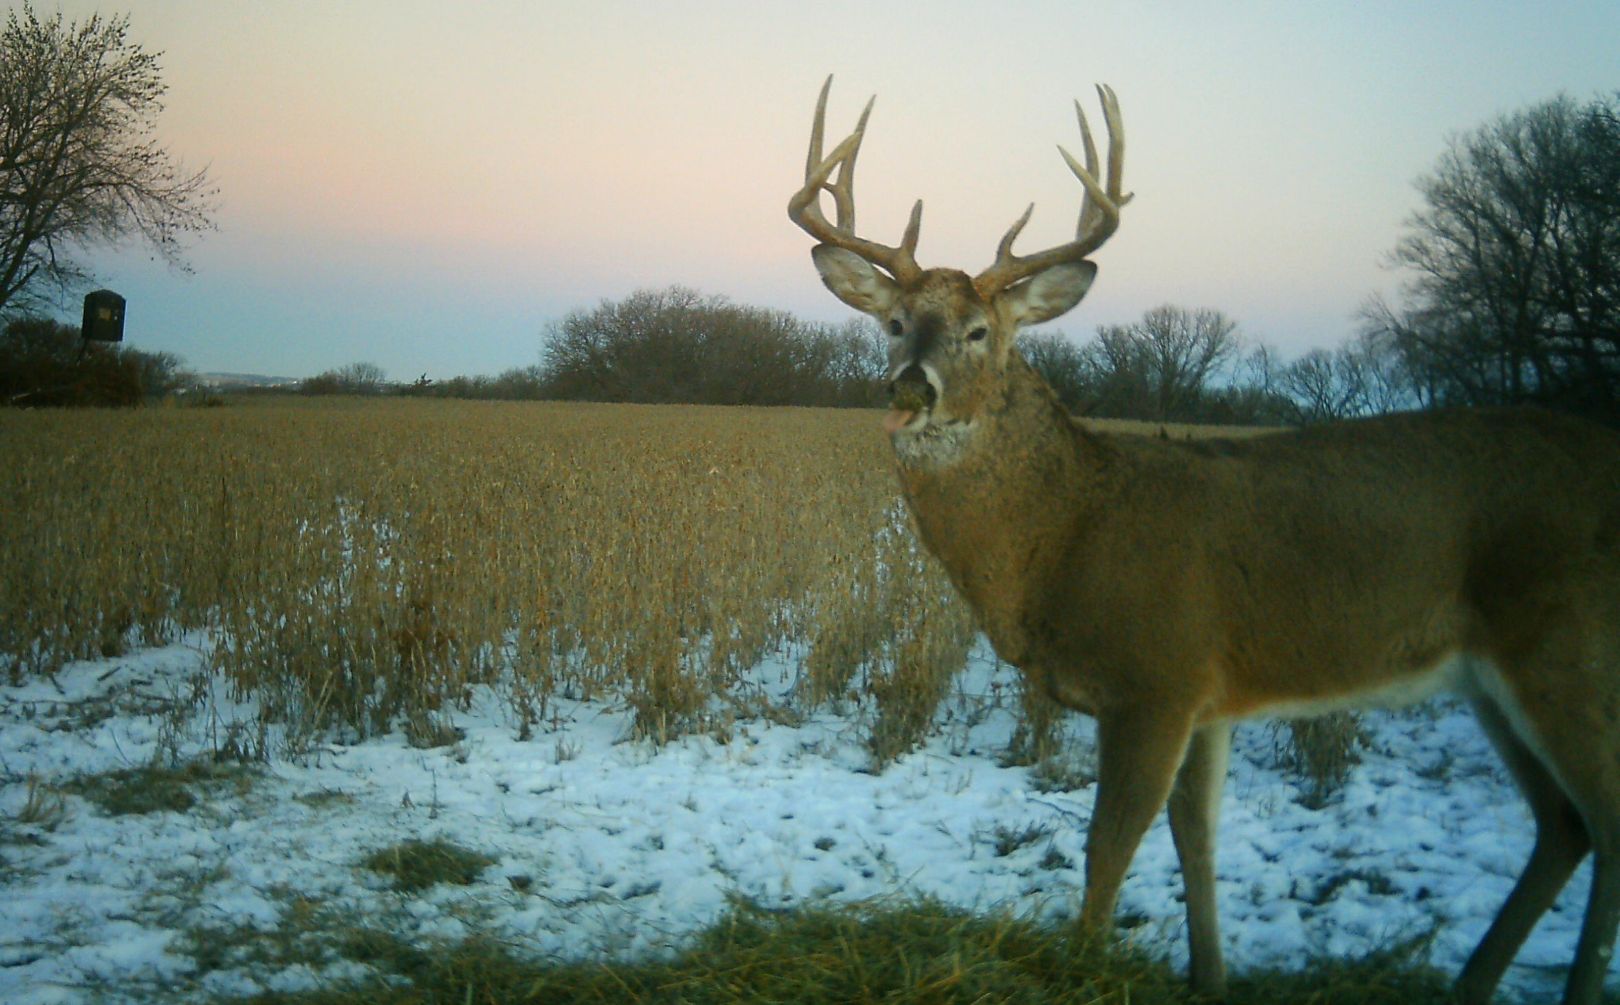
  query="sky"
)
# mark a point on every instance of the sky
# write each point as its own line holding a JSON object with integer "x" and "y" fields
{"x": 428, "y": 186}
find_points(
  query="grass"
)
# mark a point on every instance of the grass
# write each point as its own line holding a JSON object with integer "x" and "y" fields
{"x": 1006, "y": 840}
{"x": 904, "y": 954}
{"x": 1321, "y": 752}
{"x": 156, "y": 788}
{"x": 44, "y": 808}
{"x": 416, "y": 865}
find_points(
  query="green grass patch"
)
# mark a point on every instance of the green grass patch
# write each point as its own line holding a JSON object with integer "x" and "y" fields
{"x": 907, "y": 954}
{"x": 156, "y": 788}
{"x": 417, "y": 865}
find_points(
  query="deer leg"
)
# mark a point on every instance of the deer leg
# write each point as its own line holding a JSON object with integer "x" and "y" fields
{"x": 1561, "y": 843}
{"x": 1138, "y": 752}
{"x": 1194, "y": 811}
{"x": 1596, "y": 947}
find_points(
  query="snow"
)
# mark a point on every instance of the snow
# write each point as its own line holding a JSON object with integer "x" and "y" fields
{"x": 612, "y": 846}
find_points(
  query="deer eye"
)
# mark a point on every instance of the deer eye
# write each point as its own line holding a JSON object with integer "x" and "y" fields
{"x": 895, "y": 328}
{"x": 978, "y": 334}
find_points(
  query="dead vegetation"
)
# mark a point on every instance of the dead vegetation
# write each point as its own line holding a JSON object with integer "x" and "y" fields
{"x": 363, "y": 566}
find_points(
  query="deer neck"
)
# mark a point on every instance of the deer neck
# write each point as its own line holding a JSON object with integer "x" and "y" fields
{"x": 1001, "y": 509}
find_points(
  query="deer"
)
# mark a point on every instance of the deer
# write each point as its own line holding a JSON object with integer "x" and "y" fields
{"x": 1169, "y": 588}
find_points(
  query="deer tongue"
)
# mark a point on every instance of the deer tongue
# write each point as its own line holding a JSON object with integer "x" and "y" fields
{"x": 896, "y": 419}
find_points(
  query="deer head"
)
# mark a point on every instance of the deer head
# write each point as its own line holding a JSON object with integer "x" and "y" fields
{"x": 950, "y": 336}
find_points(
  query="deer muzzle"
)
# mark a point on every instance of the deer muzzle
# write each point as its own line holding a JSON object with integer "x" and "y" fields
{"x": 909, "y": 393}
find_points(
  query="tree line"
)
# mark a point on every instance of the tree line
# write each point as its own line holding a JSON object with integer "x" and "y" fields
{"x": 677, "y": 345}
{"x": 1195, "y": 365}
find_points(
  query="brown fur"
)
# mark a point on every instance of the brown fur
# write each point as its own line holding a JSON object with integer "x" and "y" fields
{"x": 1168, "y": 588}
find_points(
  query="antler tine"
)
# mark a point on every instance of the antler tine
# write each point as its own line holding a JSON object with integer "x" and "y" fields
{"x": 1116, "y": 140}
{"x": 1099, "y": 206}
{"x": 1087, "y": 205}
{"x": 817, "y": 128}
{"x": 1004, "y": 249}
{"x": 804, "y": 208}
{"x": 843, "y": 187}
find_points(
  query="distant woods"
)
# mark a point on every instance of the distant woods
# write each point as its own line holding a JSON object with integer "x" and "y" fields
{"x": 674, "y": 345}
{"x": 678, "y": 346}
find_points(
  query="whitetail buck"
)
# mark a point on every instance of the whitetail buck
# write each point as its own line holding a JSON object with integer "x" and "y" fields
{"x": 1169, "y": 588}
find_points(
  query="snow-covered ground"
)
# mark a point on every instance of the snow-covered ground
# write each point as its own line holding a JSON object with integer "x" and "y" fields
{"x": 607, "y": 845}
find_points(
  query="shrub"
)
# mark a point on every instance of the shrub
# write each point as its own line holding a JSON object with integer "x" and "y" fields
{"x": 675, "y": 346}
{"x": 45, "y": 363}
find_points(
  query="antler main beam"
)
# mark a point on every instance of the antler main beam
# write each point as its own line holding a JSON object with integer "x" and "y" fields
{"x": 834, "y": 173}
{"x": 1099, "y": 210}
{"x": 804, "y": 208}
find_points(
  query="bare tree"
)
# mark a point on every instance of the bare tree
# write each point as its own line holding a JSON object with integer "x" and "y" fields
{"x": 1365, "y": 376}
{"x": 79, "y": 165}
{"x": 1516, "y": 262}
{"x": 1185, "y": 348}
{"x": 355, "y": 378}
{"x": 1314, "y": 384}
{"x": 1161, "y": 367}
{"x": 1388, "y": 383}
{"x": 1064, "y": 365}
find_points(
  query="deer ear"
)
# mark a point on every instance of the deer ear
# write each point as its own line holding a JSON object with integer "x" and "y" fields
{"x": 854, "y": 281}
{"x": 1047, "y": 294}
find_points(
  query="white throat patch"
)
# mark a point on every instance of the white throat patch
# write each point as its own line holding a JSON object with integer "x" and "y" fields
{"x": 934, "y": 446}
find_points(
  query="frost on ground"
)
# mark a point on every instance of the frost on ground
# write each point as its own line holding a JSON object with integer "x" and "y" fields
{"x": 605, "y": 845}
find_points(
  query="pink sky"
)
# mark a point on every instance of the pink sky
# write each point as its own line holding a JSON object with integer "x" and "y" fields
{"x": 426, "y": 186}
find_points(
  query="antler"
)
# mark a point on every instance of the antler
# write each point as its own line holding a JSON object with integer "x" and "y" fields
{"x": 1099, "y": 211}
{"x": 804, "y": 208}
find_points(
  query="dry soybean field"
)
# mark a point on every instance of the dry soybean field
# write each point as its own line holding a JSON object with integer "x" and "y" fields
{"x": 359, "y": 565}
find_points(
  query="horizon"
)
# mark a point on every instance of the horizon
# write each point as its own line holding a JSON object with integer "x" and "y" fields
{"x": 428, "y": 188}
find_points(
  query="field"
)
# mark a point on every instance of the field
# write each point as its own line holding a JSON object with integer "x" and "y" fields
{"x": 436, "y": 701}
{"x": 359, "y": 565}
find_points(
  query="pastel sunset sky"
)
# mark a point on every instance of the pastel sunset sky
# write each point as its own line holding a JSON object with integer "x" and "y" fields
{"x": 426, "y": 186}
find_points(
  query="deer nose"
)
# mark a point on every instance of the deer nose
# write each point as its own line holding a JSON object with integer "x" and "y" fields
{"x": 911, "y": 389}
